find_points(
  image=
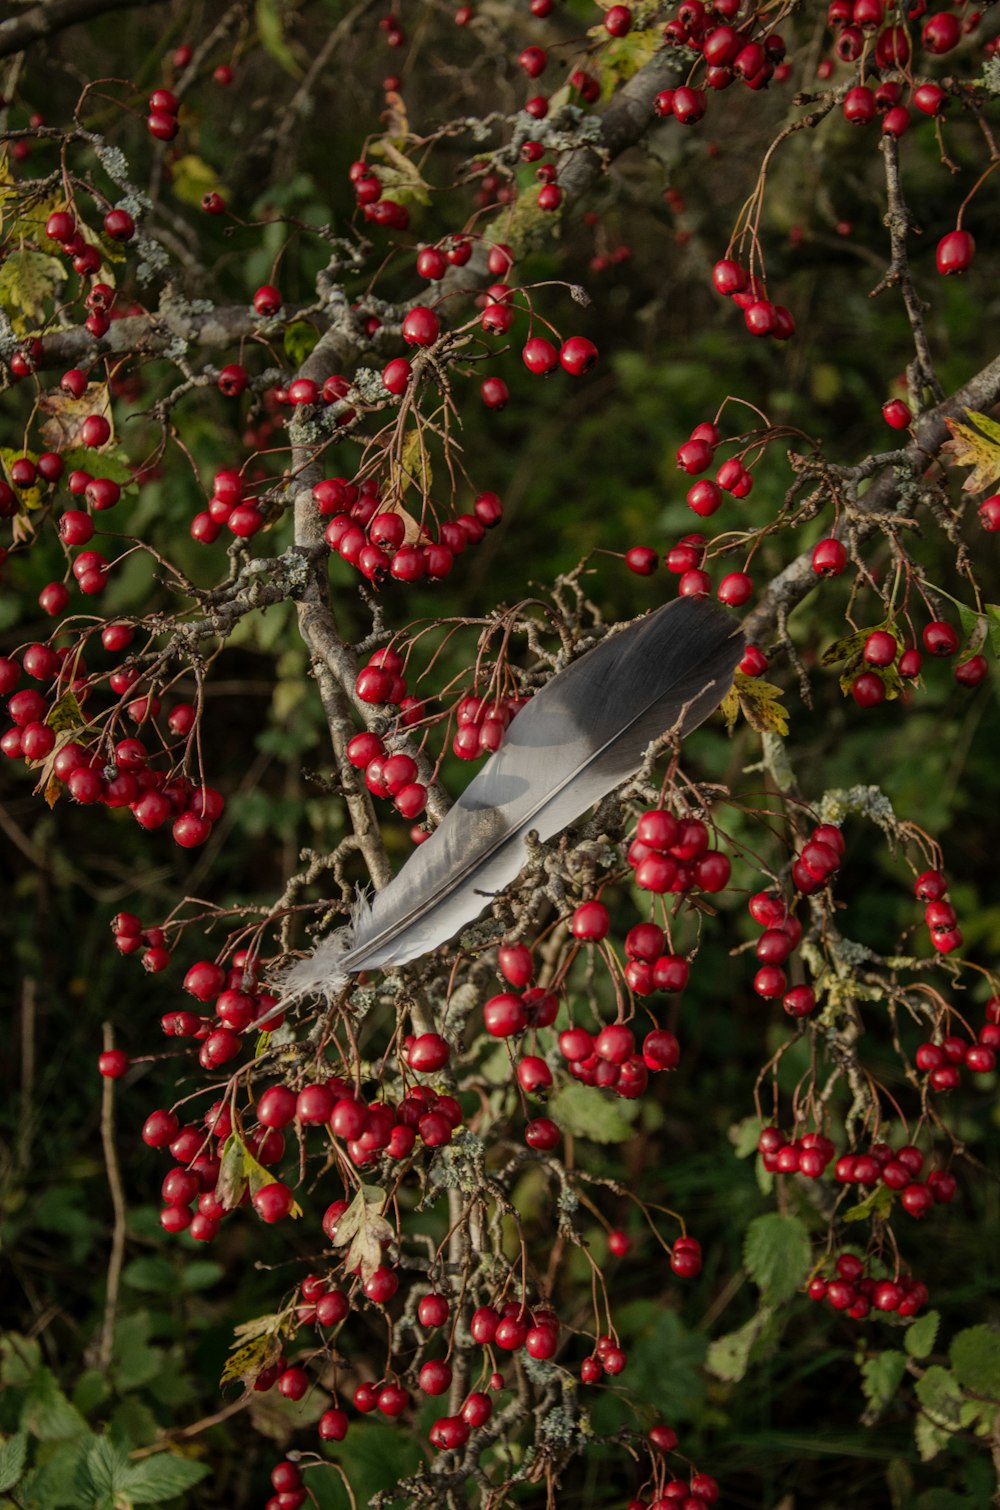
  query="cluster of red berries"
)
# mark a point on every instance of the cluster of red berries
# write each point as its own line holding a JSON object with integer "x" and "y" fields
{"x": 376, "y": 208}
{"x": 931, "y": 887}
{"x": 782, "y": 934}
{"x": 121, "y": 776}
{"x": 898, "y": 1169}
{"x": 161, "y": 121}
{"x": 697, "y": 1492}
{"x": 670, "y": 854}
{"x": 388, "y": 774}
{"x": 851, "y": 1290}
{"x": 482, "y": 723}
{"x": 227, "y": 507}
{"x": 747, "y": 291}
{"x": 856, "y": 22}
{"x": 942, "y": 1062}
{"x": 730, "y": 53}
{"x": 86, "y": 258}
{"x": 808, "y": 1155}
{"x": 373, "y": 538}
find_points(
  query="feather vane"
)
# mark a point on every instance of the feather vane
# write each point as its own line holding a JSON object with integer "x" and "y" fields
{"x": 583, "y": 734}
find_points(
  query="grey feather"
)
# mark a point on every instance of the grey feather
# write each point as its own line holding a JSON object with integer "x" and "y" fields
{"x": 581, "y": 736}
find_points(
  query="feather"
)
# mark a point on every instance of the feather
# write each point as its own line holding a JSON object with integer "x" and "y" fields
{"x": 584, "y": 733}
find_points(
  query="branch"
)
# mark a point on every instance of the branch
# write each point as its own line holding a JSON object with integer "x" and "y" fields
{"x": 45, "y": 20}
{"x": 930, "y": 433}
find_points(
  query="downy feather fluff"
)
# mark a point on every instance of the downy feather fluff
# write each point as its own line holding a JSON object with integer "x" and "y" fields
{"x": 578, "y": 738}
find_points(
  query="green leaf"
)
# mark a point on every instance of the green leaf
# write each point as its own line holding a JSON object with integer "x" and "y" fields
{"x": 99, "y": 464}
{"x": 47, "y": 1413}
{"x": 201, "y": 1274}
{"x": 90, "y": 1390}
{"x": 881, "y": 1376}
{"x": 975, "y": 1356}
{"x": 586, "y": 1112}
{"x": 102, "y": 1471}
{"x": 300, "y": 339}
{"x": 13, "y": 1452}
{"x": 161, "y": 1477}
{"x": 993, "y": 616}
{"x": 940, "y": 1396}
{"x": 152, "y": 1272}
{"x": 745, "y": 1136}
{"x": 20, "y": 1360}
{"x": 930, "y": 1438}
{"x": 729, "y": 1357}
{"x": 135, "y": 1362}
{"x": 270, "y": 26}
{"x": 877, "y": 1202}
{"x": 918, "y": 1339}
{"x": 776, "y": 1255}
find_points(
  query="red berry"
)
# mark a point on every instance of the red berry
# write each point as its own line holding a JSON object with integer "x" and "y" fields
{"x": 955, "y": 252}
{"x": 577, "y": 356}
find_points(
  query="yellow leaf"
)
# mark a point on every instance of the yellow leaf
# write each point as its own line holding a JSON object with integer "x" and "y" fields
{"x": 28, "y": 283}
{"x": 761, "y": 708}
{"x": 969, "y": 448}
{"x": 193, "y": 178}
{"x": 30, "y": 498}
{"x": 730, "y": 708}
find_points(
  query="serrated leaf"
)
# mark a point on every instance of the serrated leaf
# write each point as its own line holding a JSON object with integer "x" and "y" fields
{"x": 46, "y": 1412}
{"x": 161, "y": 1477}
{"x": 299, "y": 340}
{"x": 918, "y": 1339}
{"x": 260, "y": 1347}
{"x": 13, "y": 1452}
{"x": 363, "y": 1229}
{"x": 940, "y": 1396}
{"x": 978, "y": 448}
{"x": 761, "y": 708}
{"x": 887, "y": 675}
{"x": 110, "y": 463}
{"x": 102, "y": 1470}
{"x": 28, "y": 283}
{"x": 66, "y": 414}
{"x": 587, "y": 1112}
{"x": 930, "y": 1439}
{"x": 776, "y": 1255}
{"x": 881, "y": 1376}
{"x": 877, "y": 1202}
{"x": 728, "y": 1357}
{"x": 975, "y": 1357}
{"x": 66, "y": 713}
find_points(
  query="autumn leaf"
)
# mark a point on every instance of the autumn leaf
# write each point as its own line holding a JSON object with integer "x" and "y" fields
{"x": 62, "y": 429}
{"x": 978, "y": 448}
{"x": 364, "y": 1228}
{"x": 259, "y": 1346}
{"x": 761, "y": 708}
{"x": 28, "y": 282}
{"x": 238, "y": 1169}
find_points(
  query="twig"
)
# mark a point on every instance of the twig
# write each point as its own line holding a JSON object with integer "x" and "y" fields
{"x": 118, "y": 1203}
